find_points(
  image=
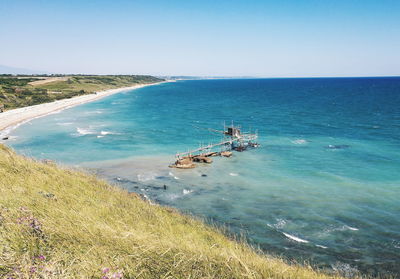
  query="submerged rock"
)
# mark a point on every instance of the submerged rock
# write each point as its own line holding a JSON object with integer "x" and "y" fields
{"x": 211, "y": 154}
{"x": 202, "y": 159}
{"x": 184, "y": 163}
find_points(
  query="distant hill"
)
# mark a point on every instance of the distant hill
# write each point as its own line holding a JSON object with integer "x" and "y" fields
{"x": 14, "y": 71}
{"x": 22, "y": 91}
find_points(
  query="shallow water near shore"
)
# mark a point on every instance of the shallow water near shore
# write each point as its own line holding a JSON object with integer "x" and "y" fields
{"x": 324, "y": 186}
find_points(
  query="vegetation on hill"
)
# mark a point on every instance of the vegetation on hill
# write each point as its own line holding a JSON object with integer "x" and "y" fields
{"x": 61, "y": 223}
{"x": 21, "y": 91}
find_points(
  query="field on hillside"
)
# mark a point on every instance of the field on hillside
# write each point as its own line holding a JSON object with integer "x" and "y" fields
{"x": 61, "y": 223}
{"x": 22, "y": 91}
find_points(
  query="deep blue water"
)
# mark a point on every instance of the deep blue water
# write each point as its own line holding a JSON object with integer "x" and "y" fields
{"x": 324, "y": 187}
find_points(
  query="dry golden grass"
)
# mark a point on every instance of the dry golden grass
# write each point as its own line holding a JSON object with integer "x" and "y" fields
{"x": 47, "y": 80}
{"x": 59, "y": 223}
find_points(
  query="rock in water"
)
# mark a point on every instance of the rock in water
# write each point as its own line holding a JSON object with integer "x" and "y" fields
{"x": 202, "y": 159}
{"x": 226, "y": 153}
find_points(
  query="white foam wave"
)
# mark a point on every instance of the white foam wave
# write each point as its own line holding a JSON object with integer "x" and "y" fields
{"x": 278, "y": 225}
{"x": 173, "y": 175}
{"x": 321, "y": 246}
{"x": 7, "y": 131}
{"x": 146, "y": 177}
{"x": 104, "y": 133}
{"x": 233, "y": 174}
{"x": 186, "y": 192}
{"x": 295, "y": 238}
{"x": 299, "y": 141}
{"x": 340, "y": 229}
{"x": 64, "y": 123}
{"x": 351, "y": 228}
{"x": 83, "y": 131}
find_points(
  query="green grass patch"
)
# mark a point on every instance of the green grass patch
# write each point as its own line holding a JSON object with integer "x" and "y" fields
{"x": 18, "y": 92}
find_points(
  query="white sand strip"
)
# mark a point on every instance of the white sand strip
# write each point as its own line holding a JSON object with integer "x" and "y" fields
{"x": 13, "y": 117}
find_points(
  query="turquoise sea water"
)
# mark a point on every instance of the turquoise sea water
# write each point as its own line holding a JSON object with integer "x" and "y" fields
{"x": 324, "y": 186}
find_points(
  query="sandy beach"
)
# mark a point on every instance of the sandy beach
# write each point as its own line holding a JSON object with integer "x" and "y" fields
{"x": 11, "y": 118}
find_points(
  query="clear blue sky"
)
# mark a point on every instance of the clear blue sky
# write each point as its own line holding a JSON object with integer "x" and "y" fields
{"x": 235, "y": 38}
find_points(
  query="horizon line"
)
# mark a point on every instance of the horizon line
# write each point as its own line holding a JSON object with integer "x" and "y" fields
{"x": 199, "y": 76}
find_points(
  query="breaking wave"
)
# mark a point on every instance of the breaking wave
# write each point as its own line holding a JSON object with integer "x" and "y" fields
{"x": 186, "y": 192}
{"x": 64, "y": 123}
{"x": 299, "y": 141}
{"x": 83, "y": 132}
{"x": 104, "y": 133}
{"x": 173, "y": 175}
{"x": 295, "y": 238}
{"x": 278, "y": 225}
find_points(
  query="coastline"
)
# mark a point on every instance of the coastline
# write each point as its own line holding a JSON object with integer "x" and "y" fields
{"x": 13, "y": 118}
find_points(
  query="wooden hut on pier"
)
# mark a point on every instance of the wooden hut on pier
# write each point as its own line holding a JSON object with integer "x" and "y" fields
{"x": 233, "y": 139}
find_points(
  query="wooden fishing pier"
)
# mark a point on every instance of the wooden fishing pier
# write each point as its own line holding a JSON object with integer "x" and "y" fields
{"x": 233, "y": 140}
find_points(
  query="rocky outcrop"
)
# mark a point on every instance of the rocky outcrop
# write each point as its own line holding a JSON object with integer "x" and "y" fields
{"x": 202, "y": 159}
{"x": 226, "y": 153}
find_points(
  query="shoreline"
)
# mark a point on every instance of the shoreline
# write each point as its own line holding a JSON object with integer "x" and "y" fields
{"x": 15, "y": 117}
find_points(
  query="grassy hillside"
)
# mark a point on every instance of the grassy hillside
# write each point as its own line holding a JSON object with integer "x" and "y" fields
{"x": 59, "y": 223}
{"x": 21, "y": 91}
